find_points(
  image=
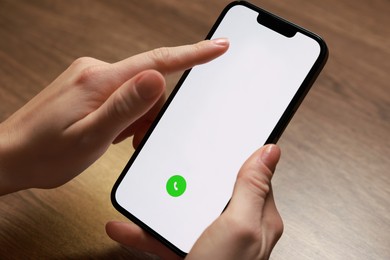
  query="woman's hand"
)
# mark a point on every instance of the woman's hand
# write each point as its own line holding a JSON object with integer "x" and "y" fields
{"x": 71, "y": 123}
{"x": 248, "y": 229}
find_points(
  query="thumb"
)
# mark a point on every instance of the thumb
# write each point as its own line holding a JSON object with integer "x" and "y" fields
{"x": 128, "y": 103}
{"x": 251, "y": 225}
{"x": 253, "y": 184}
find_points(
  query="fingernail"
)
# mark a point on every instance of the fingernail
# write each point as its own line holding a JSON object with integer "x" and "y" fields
{"x": 266, "y": 152}
{"x": 270, "y": 156}
{"x": 148, "y": 86}
{"x": 221, "y": 41}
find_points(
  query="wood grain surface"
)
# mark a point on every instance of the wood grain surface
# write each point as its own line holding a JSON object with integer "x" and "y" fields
{"x": 332, "y": 186}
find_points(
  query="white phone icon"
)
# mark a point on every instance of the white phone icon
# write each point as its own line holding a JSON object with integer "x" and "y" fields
{"x": 175, "y": 185}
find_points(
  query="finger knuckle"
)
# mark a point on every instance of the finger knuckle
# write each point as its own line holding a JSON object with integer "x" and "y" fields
{"x": 85, "y": 69}
{"x": 82, "y": 62}
{"x": 243, "y": 231}
{"x": 199, "y": 46}
{"x": 277, "y": 226}
{"x": 121, "y": 107}
{"x": 258, "y": 180}
{"x": 161, "y": 56}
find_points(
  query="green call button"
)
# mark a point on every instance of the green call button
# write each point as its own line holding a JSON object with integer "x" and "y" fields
{"x": 176, "y": 185}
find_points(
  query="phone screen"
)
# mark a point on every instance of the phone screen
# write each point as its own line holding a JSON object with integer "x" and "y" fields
{"x": 181, "y": 178}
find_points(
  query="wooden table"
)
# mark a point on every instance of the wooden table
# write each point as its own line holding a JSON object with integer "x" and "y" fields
{"x": 332, "y": 185}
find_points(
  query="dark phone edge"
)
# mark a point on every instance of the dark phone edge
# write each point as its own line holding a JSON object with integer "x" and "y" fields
{"x": 275, "y": 134}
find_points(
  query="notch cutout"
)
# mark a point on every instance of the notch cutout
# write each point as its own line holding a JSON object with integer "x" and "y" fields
{"x": 276, "y": 24}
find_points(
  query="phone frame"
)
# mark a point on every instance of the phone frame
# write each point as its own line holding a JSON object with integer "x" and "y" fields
{"x": 284, "y": 27}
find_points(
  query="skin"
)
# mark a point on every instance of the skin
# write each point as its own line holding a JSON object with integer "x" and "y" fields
{"x": 92, "y": 104}
{"x": 248, "y": 229}
{"x": 71, "y": 123}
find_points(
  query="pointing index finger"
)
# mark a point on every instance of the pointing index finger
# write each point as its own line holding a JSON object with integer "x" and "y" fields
{"x": 170, "y": 59}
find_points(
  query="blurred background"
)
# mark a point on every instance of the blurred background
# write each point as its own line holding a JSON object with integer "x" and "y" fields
{"x": 332, "y": 186}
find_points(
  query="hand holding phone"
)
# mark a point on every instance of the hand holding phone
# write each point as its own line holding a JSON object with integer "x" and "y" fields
{"x": 248, "y": 229}
{"x": 218, "y": 114}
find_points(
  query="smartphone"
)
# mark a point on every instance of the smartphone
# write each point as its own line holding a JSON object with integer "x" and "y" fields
{"x": 181, "y": 177}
